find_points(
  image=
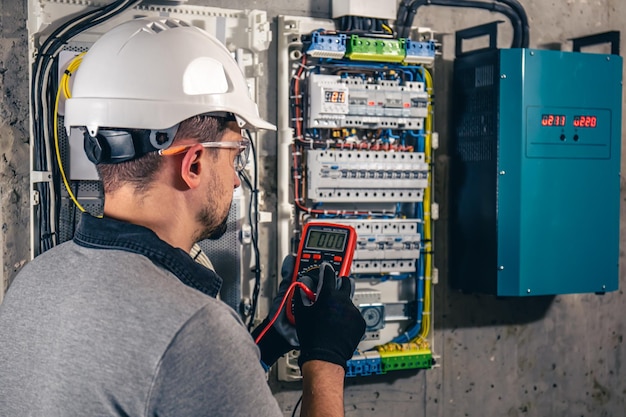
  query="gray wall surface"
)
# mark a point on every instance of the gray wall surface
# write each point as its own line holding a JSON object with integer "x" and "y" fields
{"x": 14, "y": 138}
{"x": 541, "y": 356}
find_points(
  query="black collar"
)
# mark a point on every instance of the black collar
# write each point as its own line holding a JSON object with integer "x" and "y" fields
{"x": 107, "y": 233}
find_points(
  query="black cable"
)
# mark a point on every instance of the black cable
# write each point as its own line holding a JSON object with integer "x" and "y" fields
{"x": 38, "y": 95}
{"x": 295, "y": 407}
{"x": 254, "y": 224}
{"x": 494, "y": 7}
{"x": 519, "y": 9}
{"x": 401, "y": 17}
{"x": 42, "y": 91}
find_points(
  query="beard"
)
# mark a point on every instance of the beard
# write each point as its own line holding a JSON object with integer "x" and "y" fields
{"x": 214, "y": 228}
{"x": 219, "y": 231}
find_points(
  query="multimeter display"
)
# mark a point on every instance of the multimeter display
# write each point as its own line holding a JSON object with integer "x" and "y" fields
{"x": 325, "y": 240}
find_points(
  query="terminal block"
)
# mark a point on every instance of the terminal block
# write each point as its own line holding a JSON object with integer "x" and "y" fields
{"x": 375, "y": 49}
{"x": 419, "y": 52}
{"x": 364, "y": 364}
{"x": 376, "y": 363}
{"x": 394, "y": 360}
{"x": 327, "y": 46}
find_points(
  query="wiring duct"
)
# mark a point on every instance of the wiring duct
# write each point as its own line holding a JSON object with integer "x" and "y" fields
{"x": 43, "y": 86}
{"x": 512, "y": 9}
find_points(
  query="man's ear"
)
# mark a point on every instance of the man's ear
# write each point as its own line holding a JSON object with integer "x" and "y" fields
{"x": 192, "y": 165}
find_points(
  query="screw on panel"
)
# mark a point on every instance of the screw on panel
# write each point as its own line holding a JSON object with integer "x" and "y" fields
{"x": 502, "y": 172}
{"x": 604, "y": 287}
{"x": 532, "y": 53}
{"x": 501, "y": 267}
{"x": 528, "y": 291}
{"x": 503, "y": 76}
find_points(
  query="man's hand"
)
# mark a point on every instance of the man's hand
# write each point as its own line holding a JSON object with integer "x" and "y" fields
{"x": 330, "y": 329}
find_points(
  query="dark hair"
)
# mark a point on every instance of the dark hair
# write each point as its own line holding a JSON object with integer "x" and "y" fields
{"x": 140, "y": 172}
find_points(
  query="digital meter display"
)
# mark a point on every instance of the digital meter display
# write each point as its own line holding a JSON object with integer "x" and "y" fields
{"x": 553, "y": 120}
{"x": 334, "y": 96}
{"x": 326, "y": 241}
{"x": 561, "y": 120}
{"x": 585, "y": 121}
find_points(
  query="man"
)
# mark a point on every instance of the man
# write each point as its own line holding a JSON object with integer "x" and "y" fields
{"x": 121, "y": 321}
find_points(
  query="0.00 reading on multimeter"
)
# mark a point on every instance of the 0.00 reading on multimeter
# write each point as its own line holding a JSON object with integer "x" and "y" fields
{"x": 327, "y": 240}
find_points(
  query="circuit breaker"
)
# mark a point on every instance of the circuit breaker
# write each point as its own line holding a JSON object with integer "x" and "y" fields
{"x": 535, "y": 171}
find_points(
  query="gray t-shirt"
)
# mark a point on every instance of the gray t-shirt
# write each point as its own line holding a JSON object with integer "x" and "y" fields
{"x": 89, "y": 332}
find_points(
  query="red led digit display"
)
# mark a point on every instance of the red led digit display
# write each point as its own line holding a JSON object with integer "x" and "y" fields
{"x": 553, "y": 120}
{"x": 585, "y": 121}
{"x": 332, "y": 96}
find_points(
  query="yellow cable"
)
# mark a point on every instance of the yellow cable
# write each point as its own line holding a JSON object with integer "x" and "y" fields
{"x": 426, "y": 317}
{"x": 64, "y": 86}
{"x": 386, "y": 28}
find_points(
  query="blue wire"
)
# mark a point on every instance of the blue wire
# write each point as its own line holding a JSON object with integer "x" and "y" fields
{"x": 391, "y": 135}
{"x": 419, "y": 284}
{"x": 412, "y": 72}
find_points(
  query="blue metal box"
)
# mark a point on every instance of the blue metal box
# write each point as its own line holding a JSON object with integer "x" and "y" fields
{"x": 535, "y": 187}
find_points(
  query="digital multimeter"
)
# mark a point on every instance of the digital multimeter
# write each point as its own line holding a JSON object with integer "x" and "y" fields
{"x": 323, "y": 242}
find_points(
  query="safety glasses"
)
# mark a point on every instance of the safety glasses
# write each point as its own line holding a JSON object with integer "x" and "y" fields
{"x": 240, "y": 160}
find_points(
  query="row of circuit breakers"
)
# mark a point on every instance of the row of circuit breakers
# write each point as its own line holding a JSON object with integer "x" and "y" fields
{"x": 361, "y": 115}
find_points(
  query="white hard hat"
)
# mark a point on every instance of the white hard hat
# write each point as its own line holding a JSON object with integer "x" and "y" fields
{"x": 153, "y": 73}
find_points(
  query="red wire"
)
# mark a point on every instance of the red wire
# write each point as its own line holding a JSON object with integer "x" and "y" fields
{"x": 310, "y": 295}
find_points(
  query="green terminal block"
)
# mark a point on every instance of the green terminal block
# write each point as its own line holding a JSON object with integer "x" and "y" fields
{"x": 413, "y": 359}
{"x": 379, "y": 50}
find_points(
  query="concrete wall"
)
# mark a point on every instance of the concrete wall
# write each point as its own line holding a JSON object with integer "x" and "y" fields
{"x": 545, "y": 356}
{"x": 14, "y": 138}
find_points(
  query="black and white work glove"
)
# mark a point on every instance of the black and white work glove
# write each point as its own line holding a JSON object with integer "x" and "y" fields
{"x": 281, "y": 337}
{"x": 330, "y": 328}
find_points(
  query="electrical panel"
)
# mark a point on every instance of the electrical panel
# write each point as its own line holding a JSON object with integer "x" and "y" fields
{"x": 356, "y": 148}
{"x": 535, "y": 180}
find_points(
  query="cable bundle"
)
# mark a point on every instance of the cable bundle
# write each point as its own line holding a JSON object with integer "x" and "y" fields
{"x": 512, "y": 9}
